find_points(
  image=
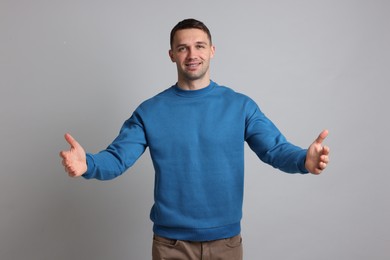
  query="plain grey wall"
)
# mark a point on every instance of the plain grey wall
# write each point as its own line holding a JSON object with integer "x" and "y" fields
{"x": 84, "y": 66}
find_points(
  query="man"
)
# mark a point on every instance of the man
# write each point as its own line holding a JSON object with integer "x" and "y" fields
{"x": 195, "y": 132}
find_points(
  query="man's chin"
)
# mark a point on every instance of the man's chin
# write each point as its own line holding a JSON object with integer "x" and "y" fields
{"x": 194, "y": 76}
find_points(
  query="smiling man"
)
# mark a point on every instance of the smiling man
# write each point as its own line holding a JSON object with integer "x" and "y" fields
{"x": 195, "y": 131}
{"x": 192, "y": 50}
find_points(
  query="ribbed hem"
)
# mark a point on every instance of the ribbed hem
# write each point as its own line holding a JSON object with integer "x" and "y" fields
{"x": 201, "y": 234}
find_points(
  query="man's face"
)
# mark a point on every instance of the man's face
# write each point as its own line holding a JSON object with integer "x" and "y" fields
{"x": 192, "y": 51}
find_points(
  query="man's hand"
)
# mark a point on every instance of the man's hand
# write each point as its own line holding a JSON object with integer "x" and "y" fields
{"x": 317, "y": 157}
{"x": 74, "y": 160}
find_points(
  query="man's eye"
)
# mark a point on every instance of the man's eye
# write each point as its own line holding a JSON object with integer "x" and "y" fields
{"x": 200, "y": 47}
{"x": 181, "y": 49}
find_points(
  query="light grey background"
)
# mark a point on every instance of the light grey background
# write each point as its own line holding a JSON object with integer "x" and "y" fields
{"x": 84, "y": 66}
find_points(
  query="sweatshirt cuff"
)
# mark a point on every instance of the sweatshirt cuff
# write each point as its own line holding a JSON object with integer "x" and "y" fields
{"x": 90, "y": 166}
{"x": 302, "y": 162}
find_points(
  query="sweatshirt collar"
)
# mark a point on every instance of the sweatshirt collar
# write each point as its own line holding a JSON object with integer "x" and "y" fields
{"x": 194, "y": 93}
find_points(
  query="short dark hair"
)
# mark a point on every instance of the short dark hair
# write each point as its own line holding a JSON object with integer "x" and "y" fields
{"x": 190, "y": 24}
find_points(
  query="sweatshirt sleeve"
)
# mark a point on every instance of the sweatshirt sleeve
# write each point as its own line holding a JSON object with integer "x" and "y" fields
{"x": 270, "y": 145}
{"x": 121, "y": 154}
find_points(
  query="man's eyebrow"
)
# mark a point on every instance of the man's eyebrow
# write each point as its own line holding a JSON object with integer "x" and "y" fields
{"x": 200, "y": 42}
{"x": 184, "y": 44}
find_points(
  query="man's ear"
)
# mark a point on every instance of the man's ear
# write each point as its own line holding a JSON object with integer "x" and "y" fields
{"x": 212, "y": 51}
{"x": 170, "y": 53}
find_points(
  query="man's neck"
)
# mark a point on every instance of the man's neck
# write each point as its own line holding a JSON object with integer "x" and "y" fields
{"x": 193, "y": 84}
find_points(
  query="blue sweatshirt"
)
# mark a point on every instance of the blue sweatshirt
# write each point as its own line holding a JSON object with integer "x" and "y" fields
{"x": 196, "y": 142}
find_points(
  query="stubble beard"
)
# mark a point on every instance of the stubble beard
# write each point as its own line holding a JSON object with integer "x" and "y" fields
{"x": 192, "y": 76}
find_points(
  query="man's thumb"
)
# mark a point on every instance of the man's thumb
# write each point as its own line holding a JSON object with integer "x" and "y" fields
{"x": 322, "y": 136}
{"x": 73, "y": 143}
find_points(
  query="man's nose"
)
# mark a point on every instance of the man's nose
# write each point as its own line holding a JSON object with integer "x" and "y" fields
{"x": 191, "y": 52}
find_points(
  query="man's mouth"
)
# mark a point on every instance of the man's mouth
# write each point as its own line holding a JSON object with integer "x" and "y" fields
{"x": 192, "y": 65}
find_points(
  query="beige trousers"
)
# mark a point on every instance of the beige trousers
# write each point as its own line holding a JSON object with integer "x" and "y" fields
{"x": 224, "y": 249}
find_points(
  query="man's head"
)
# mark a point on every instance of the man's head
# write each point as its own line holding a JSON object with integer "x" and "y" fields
{"x": 192, "y": 50}
{"x": 190, "y": 24}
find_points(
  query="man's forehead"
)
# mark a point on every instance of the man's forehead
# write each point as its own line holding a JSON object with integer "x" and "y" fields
{"x": 188, "y": 36}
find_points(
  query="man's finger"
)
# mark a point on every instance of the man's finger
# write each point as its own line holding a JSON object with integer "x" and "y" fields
{"x": 322, "y": 136}
{"x": 325, "y": 150}
{"x": 324, "y": 158}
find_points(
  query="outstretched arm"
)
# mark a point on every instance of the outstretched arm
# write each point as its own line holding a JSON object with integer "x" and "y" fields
{"x": 317, "y": 157}
{"x": 74, "y": 160}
